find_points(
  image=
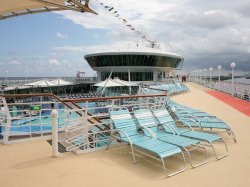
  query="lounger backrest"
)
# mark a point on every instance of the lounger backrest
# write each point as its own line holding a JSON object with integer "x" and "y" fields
{"x": 122, "y": 120}
{"x": 144, "y": 117}
{"x": 164, "y": 117}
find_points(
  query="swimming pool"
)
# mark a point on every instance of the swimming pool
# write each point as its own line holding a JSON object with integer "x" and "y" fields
{"x": 40, "y": 122}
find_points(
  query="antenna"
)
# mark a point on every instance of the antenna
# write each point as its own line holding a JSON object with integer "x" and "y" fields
{"x": 153, "y": 45}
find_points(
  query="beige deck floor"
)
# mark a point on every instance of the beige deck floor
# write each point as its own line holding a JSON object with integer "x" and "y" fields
{"x": 31, "y": 165}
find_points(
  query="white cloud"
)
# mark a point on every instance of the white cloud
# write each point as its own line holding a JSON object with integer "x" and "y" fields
{"x": 104, "y": 20}
{"x": 95, "y": 48}
{"x": 206, "y": 33}
{"x": 54, "y": 62}
{"x": 67, "y": 64}
{"x": 61, "y": 35}
{"x": 96, "y": 35}
{"x": 211, "y": 19}
{"x": 16, "y": 62}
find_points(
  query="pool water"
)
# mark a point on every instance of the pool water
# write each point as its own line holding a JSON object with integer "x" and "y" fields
{"x": 42, "y": 123}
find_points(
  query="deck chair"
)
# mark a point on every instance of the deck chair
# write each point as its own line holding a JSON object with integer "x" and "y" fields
{"x": 164, "y": 133}
{"x": 201, "y": 120}
{"x": 193, "y": 112}
{"x": 163, "y": 117}
{"x": 142, "y": 141}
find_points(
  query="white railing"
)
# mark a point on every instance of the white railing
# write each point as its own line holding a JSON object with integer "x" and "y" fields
{"x": 83, "y": 124}
{"x": 3, "y": 119}
{"x": 239, "y": 90}
{"x": 85, "y": 136}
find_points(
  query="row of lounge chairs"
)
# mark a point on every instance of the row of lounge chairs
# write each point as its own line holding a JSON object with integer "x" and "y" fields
{"x": 198, "y": 119}
{"x": 172, "y": 89}
{"x": 192, "y": 117}
{"x": 78, "y": 96}
{"x": 153, "y": 132}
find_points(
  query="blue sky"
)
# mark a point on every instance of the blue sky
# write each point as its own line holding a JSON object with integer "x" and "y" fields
{"x": 28, "y": 41}
{"x": 207, "y": 34}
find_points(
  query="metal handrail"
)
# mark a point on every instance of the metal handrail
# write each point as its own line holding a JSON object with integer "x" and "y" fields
{"x": 81, "y": 99}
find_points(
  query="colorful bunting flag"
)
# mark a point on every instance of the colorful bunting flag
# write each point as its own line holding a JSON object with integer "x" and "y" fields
{"x": 124, "y": 21}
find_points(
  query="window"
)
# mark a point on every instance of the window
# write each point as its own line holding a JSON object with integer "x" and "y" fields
{"x": 134, "y": 60}
{"x": 134, "y": 76}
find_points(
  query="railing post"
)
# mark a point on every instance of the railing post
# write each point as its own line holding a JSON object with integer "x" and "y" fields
{"x": 210, "y": 75}
{"x": 219, "y": 68}
{"x": 8, "y": 122}
{"x": 54, "y": 115}
{"x": 233, "y": 65}
{"x": 110, "y": 122}
{"x": 129, "y": 81}
{"x": 1, "y": 122}
{"x": 85, "y": 122}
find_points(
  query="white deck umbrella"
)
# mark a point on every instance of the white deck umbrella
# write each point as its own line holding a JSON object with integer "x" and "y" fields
{"x": 61, "y": 82}
{"x": 41, "y": 83}
{"x": 12, "y": 8}
{"x": 108, "y": 83}
{"x": 125, "y": 83}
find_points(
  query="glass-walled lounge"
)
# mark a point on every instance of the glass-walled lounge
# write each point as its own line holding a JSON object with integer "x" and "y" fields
{"x": 134, "y": 76}
{"x": 134, "y": 65}
{"x": 133, "y": 60}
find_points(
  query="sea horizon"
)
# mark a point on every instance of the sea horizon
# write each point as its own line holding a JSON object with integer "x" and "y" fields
{"x": 30, "y": 78}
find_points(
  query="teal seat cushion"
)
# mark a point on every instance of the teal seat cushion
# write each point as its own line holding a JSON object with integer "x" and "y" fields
{"x": 178, "y": 140}
{"x": 214, "y": 125}
{"x": 182, "y": 130}
{"x": 136, "y": 138}
{"x": 201, "y": 136}
{"x": 158, "y": 147}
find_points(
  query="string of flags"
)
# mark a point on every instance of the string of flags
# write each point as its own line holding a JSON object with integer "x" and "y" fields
{"x": 116, "y": 14}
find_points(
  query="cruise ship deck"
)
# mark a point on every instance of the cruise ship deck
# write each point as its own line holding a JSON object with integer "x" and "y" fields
{"x": 31, "y": 164}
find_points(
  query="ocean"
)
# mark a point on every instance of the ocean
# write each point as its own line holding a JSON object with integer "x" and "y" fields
{"x": 32, "y": 78}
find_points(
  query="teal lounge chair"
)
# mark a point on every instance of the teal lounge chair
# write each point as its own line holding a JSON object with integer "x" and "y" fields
{"x": 164, "y": 133}
{"x": 141, "y": 140}
{"x": 163, "y": 116}
{"x": 201, "y": 120}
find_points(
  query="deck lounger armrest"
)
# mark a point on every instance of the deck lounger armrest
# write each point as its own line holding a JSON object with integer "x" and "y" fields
{"x": 194, "y": 121}
{"x": 184, "y": 123}
{"x": 180, "y": 109}
{"x": 189, "y": 115}
{"x": 207, "y": 116}
{"x": 183, "y": 111}
{"x": 149, "y": 131}
{"x": 169, "y": 127}
{"x": 122, "y": 132}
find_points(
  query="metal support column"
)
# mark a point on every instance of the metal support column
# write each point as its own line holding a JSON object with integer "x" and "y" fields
{"x": 129, "y": 81}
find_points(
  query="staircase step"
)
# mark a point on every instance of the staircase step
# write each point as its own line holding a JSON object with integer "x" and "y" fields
{"x": 61, "y": 148}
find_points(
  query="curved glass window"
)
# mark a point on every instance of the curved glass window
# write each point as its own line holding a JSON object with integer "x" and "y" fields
{"x": 134, "y": 76}
{"x": 133, "y": 60}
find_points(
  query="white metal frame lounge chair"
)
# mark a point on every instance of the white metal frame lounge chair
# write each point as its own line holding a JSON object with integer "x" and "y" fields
{"x": 142, "y": 142}
{"x": 162, "y": 132}
{"x": 201, "y": 120}
{"x": 163, "y": 116}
